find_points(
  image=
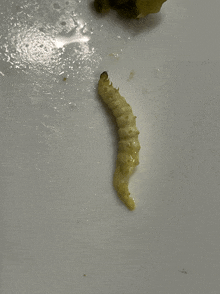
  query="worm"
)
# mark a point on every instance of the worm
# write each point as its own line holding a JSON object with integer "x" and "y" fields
{"x": 128, "y": 146}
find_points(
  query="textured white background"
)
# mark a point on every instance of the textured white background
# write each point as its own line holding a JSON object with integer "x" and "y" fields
{"x": 62, "y": 228}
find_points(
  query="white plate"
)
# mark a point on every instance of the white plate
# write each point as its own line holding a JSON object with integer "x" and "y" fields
{"x": 63, "y": 229}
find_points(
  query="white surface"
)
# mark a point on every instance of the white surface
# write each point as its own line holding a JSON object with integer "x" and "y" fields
{"x": 60, "y": 218}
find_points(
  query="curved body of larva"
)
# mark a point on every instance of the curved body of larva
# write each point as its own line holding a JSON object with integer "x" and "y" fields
{"x": 129, "y": 146}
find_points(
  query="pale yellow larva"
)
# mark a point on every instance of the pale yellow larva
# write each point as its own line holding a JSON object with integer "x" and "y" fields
{"x": 129, "y": 146}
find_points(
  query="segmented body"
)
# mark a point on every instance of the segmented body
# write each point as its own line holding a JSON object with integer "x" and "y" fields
{"x": 129, "y": 146}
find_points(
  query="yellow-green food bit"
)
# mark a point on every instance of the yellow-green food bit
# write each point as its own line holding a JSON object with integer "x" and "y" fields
{"x": 130, "y": 8}
{"x": 129, "y": 146}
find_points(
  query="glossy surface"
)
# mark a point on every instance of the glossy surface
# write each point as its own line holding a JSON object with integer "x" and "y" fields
{"x": 61, "y": 230}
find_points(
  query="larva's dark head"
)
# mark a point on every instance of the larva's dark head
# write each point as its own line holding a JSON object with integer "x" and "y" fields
{"x": 104, "y": 75}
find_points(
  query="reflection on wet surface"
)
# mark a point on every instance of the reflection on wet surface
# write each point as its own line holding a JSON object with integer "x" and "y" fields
{"x": 46, "y": 36}
{"x": 76, "y": 35}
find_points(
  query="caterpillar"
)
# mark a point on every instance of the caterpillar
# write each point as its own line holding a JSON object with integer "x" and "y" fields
{"x": 129, "y": 146}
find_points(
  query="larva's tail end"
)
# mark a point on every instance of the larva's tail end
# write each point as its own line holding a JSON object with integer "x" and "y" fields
{"x": 120, "y": 184}
{"x": 104, "y": 75}
{"x": 130, "y": 204}
{"x": 128, "y": 201}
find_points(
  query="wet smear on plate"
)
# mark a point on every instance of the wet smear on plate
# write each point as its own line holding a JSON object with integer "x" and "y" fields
{"x": 47, "y": 40}
{"x": 42, "y": 42}
{"x": 47, "y": 37}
